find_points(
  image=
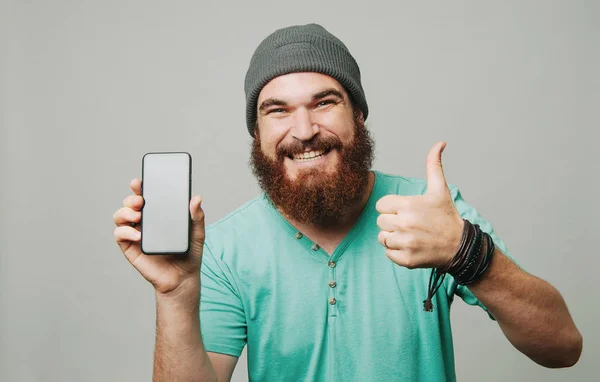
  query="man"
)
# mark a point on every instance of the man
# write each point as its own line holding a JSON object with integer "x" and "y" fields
{"x": 302, "y": 274}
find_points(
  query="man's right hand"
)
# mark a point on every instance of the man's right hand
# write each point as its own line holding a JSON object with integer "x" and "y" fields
{"x": 169, "y": 274}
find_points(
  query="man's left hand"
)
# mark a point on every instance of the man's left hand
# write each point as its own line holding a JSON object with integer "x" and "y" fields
{"x": 421, "y": 231}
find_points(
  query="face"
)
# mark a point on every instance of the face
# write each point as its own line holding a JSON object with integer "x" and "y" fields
{"x": 297, "y": 110}
{"x": 311, "y": 152}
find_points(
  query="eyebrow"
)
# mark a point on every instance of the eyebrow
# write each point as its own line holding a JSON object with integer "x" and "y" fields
{"x": 327, "y": 92}
{"x": 271, "y": 102}
{"x": 322, "y": 94}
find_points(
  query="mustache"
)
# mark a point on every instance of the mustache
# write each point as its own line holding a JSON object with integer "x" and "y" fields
{"x": 315, "y": 144}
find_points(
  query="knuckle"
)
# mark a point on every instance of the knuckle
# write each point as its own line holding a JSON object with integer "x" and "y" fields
{"x": 398, "y": 223}
{"x": 390, "y": 255}
{"x": 126, "y": 215}
{"x": 408, "y": 222}
{"x": 118, "y": 216}
{"x": 198, "y": 216}
{"x": 133, "y": 216}
{"x": 400, "y": 258}
{"x": 410, "y": 263}
{"x": 411, "y": 242}
{"x": 381, "y": 236}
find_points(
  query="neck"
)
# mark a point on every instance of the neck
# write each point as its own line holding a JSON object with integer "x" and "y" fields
{"x": 328, "y": 236}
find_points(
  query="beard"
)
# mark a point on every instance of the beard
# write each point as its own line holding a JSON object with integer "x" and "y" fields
{"x": 316, "y": 196}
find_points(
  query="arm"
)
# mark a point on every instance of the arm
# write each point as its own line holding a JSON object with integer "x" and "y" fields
{"x": 179, "y": 353}
{"x": 531, "y": 313}
{"x": 424, "y": 231}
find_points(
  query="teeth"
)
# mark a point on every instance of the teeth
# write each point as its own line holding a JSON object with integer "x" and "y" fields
{"x": 308, "y": 156}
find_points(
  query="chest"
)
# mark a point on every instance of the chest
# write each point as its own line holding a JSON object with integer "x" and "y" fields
{"x": 304, "y": 297}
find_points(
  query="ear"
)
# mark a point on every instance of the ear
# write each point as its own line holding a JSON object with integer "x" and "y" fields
{"x": 255, "y": 132}
{"x": 359, "y": 117}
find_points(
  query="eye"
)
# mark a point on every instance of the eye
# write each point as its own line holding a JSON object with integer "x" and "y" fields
{"x": 325, "y": 102}
{"x": 278, "y": 110}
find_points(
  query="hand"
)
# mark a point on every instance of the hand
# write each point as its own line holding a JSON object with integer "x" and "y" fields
{"x": 167, "y": 273}
{"x": 421, "y": 231}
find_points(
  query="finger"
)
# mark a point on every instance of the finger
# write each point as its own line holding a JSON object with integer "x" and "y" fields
{"x": 135, "y": 202}
{"x": 382, "y": 237}
{"x": 401, "y": 257}
{"x": 197, "y": 215}
{"x": 436, "y": 181}
{"x": 127, "y": 234}
{"x": 126, "y": 216}
{"x": 136, "y": 186}
{"x": 387, "y": 222}
{"x": 402, "y": 241}
{"x": 386, "y": 238}
{"x": 390, "y": 204}
{"x": 128, "y": 239}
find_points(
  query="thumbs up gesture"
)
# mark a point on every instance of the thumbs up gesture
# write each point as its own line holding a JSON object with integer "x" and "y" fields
{"x": 421, "y": 231}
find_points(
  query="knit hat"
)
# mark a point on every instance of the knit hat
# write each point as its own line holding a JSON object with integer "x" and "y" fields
{"x": 301, "y": 48}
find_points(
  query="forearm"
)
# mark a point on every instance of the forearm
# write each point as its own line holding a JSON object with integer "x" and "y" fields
{"x": 531, "y": 313}
{"x": 179, "y": 352}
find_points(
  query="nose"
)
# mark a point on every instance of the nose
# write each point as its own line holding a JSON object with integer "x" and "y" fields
{"x": 304, "y": 127}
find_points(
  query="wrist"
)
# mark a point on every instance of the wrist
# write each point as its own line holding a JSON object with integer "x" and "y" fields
{"x": 456, "y": 241}
{"x": 186, "y": 295}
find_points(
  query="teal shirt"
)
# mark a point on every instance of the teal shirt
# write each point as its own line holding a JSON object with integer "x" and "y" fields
{"x": 267, "y": 286}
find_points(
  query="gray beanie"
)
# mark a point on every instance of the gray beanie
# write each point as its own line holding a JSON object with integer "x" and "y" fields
{"x": 301, "y": 48}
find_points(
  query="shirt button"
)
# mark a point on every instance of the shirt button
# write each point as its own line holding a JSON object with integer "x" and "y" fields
{"x": 332, "y": 284}
{"x": 315, "y": 247}
{"x": 332, "y": 301}
{"x": 331, "y": 264}
{"x": 299, "y": 235}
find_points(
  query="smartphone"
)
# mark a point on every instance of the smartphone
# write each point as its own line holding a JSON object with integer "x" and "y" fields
{"x": 166, "y": 188}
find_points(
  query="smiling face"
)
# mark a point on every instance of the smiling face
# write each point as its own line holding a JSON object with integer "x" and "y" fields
{"x": 305, "y": 119}
{"x": 311, "y": 152}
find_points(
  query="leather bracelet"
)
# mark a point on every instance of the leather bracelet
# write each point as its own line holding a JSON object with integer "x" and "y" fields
{"x": 468, "y": 264}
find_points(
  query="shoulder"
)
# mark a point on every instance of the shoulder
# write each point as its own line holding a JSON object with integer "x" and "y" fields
{"x": 247, "y": 224}
{"x": 245, "y": 216}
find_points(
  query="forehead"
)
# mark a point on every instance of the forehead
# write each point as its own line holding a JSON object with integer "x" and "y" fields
{"x": 298, "y": 87}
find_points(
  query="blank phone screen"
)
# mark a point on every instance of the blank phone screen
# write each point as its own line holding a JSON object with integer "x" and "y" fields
{"x": 166, "y": 191}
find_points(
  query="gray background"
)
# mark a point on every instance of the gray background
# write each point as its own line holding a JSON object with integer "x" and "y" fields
{"x": 88, "y": 87}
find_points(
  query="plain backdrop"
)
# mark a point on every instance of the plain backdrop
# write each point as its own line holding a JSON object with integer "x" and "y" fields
{"x": 88, "y": 87}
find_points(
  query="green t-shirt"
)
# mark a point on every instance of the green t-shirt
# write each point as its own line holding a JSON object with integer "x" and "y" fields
{"x": 308, "y": 316}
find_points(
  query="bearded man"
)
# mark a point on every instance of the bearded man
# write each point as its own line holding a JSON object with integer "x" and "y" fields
{"x": 336, "y": 272}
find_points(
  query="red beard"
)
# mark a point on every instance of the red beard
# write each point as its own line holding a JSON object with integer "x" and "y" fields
{"x": 316, "y": 196}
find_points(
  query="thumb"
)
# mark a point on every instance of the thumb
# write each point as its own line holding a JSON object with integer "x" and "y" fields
{"x": 436, "y": 181}
{"x": 197, "y": 214}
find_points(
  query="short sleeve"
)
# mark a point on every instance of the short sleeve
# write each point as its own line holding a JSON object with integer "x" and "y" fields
{"x": 222, "y": 318}
{"x": 469, "y": 213}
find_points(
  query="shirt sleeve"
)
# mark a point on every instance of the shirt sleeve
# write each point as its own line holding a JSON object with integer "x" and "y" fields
{"x": 222, "y": 318}
{"x": 469, "y": 213}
